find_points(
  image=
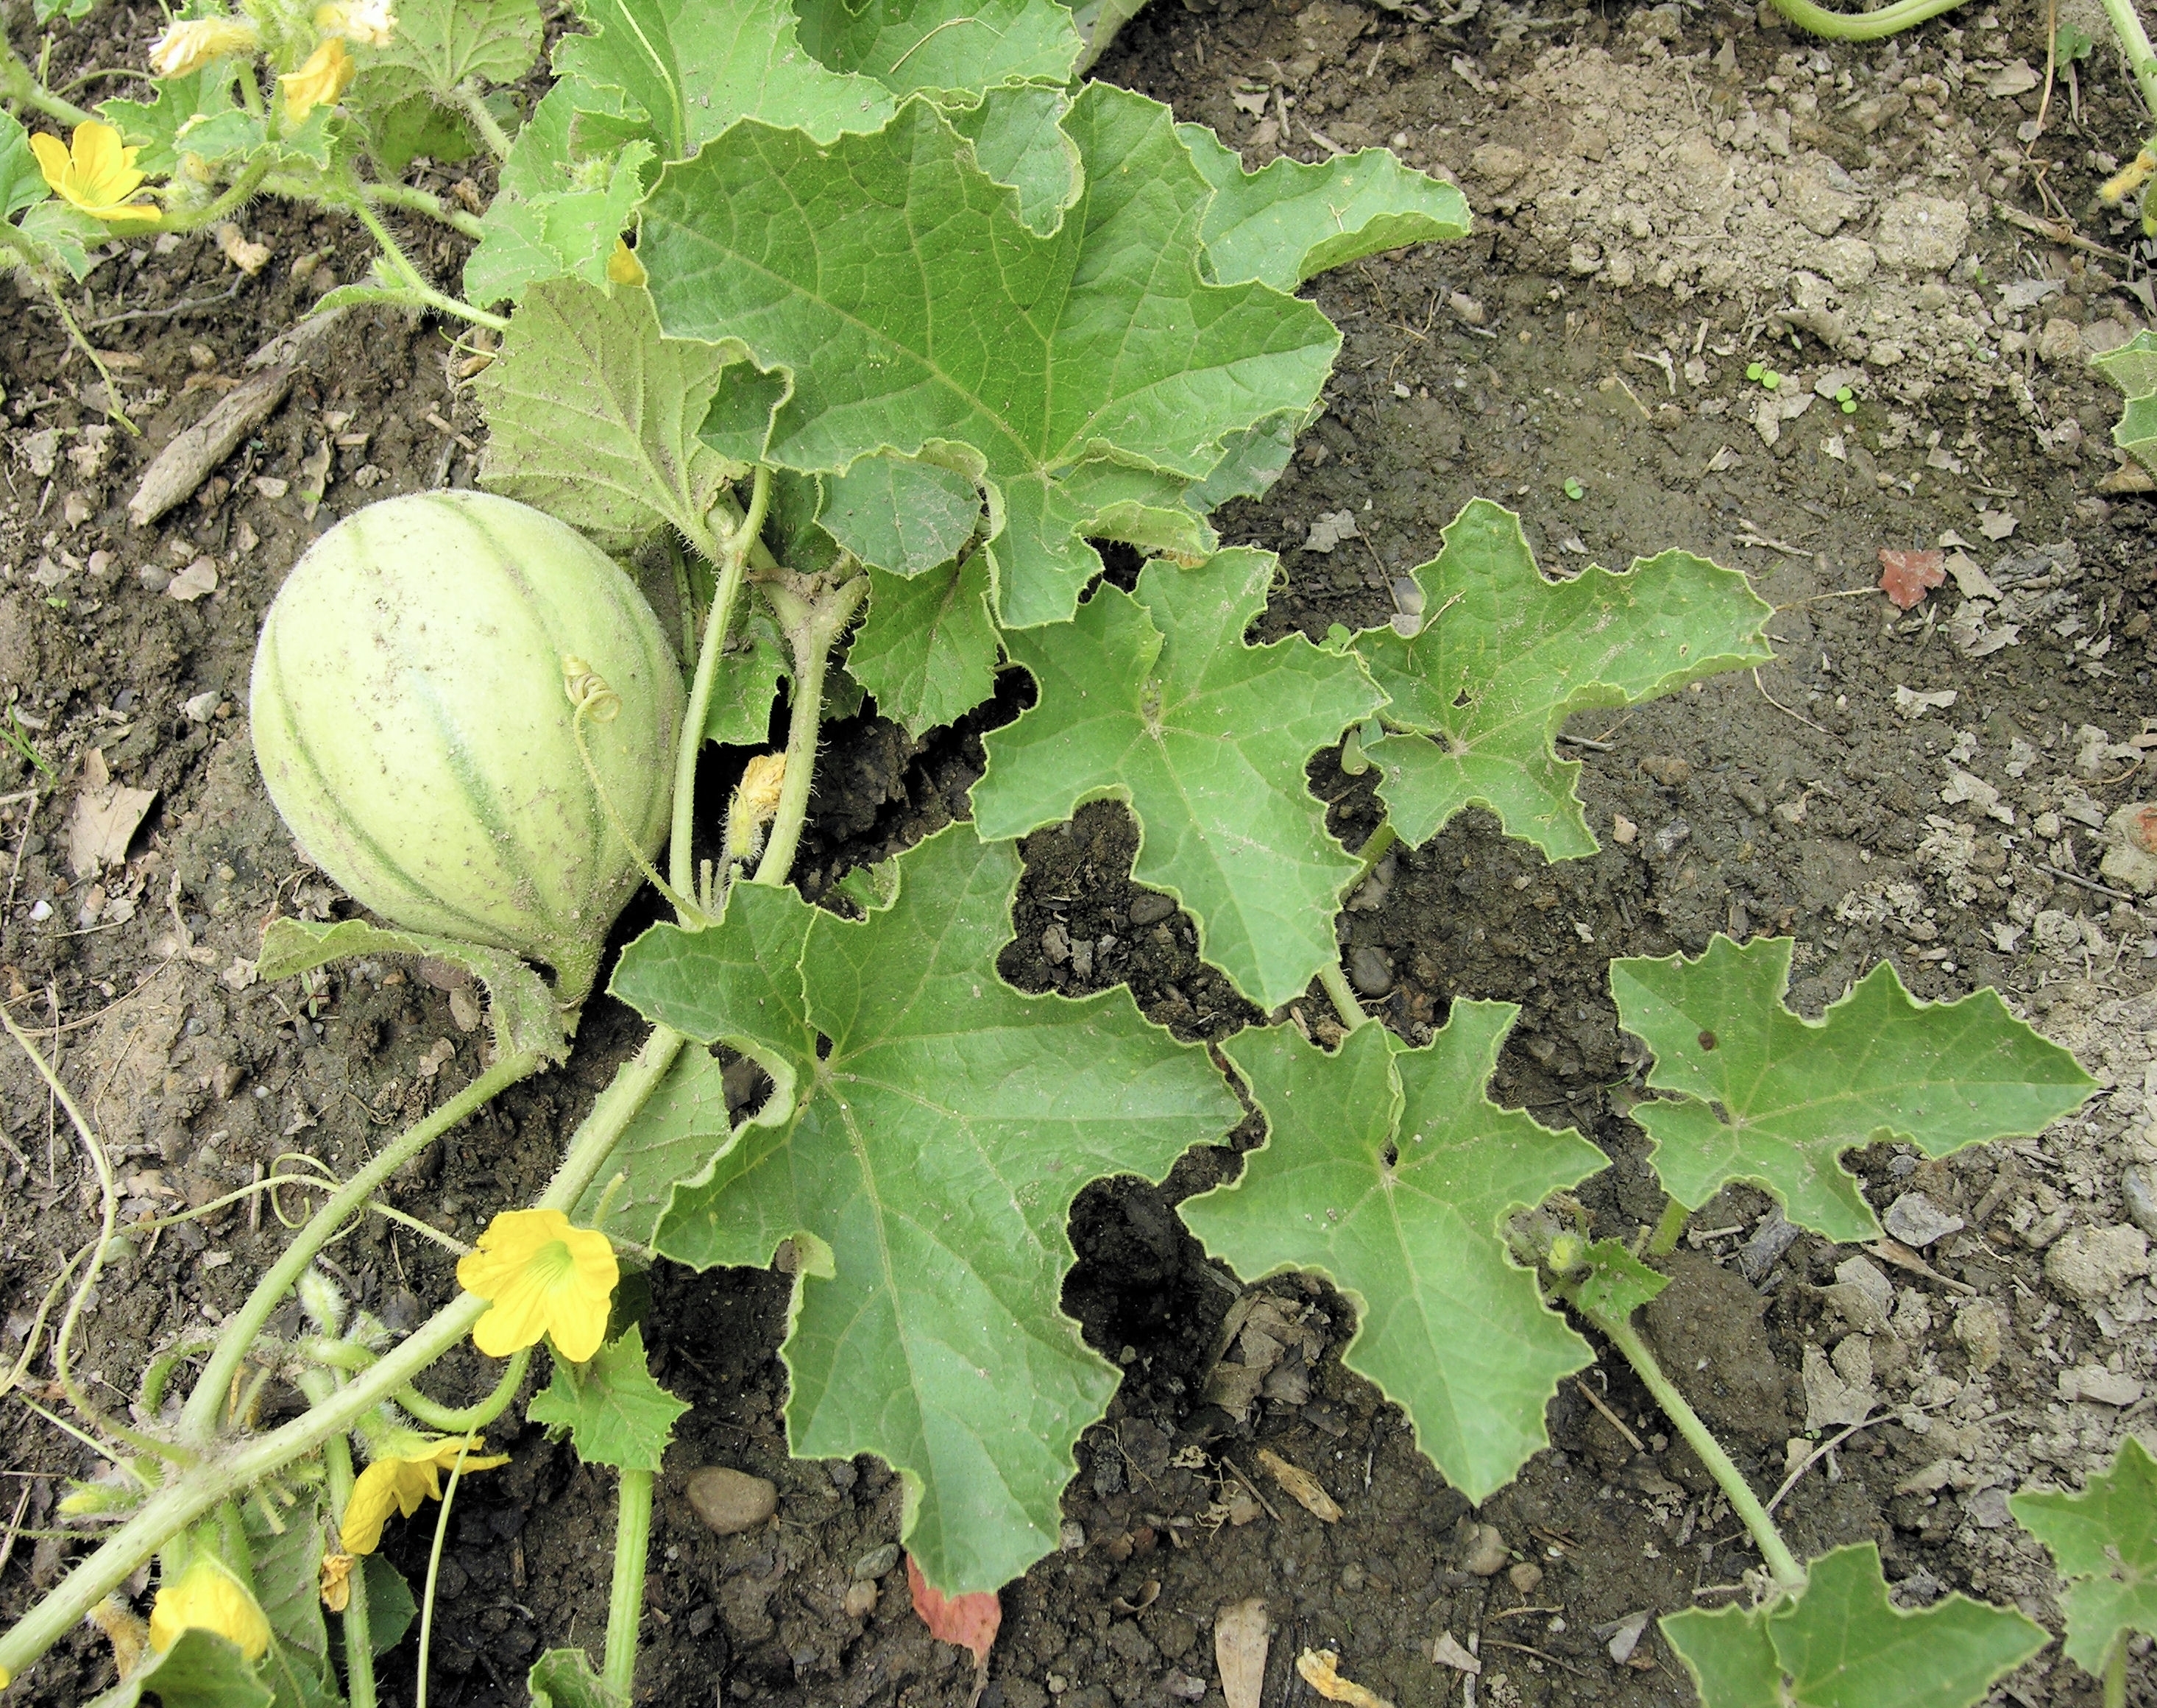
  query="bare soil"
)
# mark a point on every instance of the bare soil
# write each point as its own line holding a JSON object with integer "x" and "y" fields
{"x": 1664, "y": 197}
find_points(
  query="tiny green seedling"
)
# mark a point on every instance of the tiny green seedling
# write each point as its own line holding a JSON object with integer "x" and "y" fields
{"x": 17, "y": 739}
{"x": 1761, "y": 374}
{"x": 1846, "y": 400}
{"x": 1574, "y": 488}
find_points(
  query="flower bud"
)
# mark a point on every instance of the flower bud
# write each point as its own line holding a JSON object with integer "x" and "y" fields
{"x": 192, "y": 43}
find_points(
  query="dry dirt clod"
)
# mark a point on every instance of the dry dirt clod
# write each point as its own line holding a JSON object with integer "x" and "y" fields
{"x": 1486, "y": 1554}
{"x": 2092, "y": 1264}
{"x": 1239, "y": 1651}
{"x": 729, "y": 1501}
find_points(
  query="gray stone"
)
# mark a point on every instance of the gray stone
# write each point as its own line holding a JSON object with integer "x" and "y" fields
{"x": 1370, "y": 970}
{"x": 1917, "y": 1221}
{"x": 1486, "y": 1554}
{"x": 2138, "y": 1190}
{"x": 1924, "y": 233}
{"x": 1151, "y": 908}
{"x": 2092, "y": 1264}
{"x": 731, "y": 1501}
{"x": 879, "y": 1561}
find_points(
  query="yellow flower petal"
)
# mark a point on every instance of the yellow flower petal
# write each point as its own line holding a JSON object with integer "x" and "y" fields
{"x": 333, "y": 1582}
{"x": 326, "y": 74}
{"x": 541, "y": 1277}
{"x": 404, "y": 1474}
{"x": 96, "y": 175}
{"x": 192, "y": 43}
{"x": 623, "y": 267}
{"x": 209, "y": 1597}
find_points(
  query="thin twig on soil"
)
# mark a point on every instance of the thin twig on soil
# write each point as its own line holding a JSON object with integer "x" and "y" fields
{"x": 2076, "y": 877}
{"x": 1778, "y": 705}
{"x": 1820, "y": 1452}
{"x": 1539, "y": 1654}
{"x": 1616, "y": 1422}
{"x": 193, "y": 305}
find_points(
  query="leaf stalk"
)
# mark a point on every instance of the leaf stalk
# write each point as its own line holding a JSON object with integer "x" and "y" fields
{"x": 732, "y": 561}
{"x": 632, "y": 1546}
{"x": 812, "y": 641}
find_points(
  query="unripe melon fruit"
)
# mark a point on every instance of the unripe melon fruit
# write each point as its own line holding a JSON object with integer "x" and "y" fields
{"x": 411, "y": 722}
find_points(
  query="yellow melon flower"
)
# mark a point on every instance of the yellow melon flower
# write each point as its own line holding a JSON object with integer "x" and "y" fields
{"x": 368, "y": 22}
{"x": 209, "y": 1597}
{"x": 541, "y": 1277}
{"x": 407, "y": 1470}
{"x": 193, "y": 43}
{"x": 623, "y": 267}
{"x": 326, "y": 74}
{"x": 97, "y": 175}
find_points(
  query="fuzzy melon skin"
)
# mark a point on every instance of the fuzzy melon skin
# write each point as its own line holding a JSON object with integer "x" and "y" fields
{"x": 411, "y": 723}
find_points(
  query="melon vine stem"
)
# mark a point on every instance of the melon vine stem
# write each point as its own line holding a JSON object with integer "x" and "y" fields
{"x": 319, "y": 1384}
{"x": 1781, "y": 1564}
{"x": 632, "y": 1544}
{"x": 731, "y": 561}
{"x": 812, "y": 638}
{"x": 191, "y": 1493}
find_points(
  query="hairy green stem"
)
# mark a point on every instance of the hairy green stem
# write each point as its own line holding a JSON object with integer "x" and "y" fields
{"x": 731, "y": 562}
{"x": 191, "y": 1493}
{"x": 2135, "y": 42}
{"x": 319, "y": 1384}
{"x": 19, "y": 86}
{"x": 632, "y": 1544}
{"x": 813, "y": 641}
{"x": 468, "y": 103}
{"x": 408, "y": 200}
{"x": 462, "y": 1421}
{"x": 1782, "y": 1564}
{"x": 1862, "y": 26}
{"x": 1336, "y": 983}
{"x": 1668, "y": 1227}
{"x": 240, "y": 190}
{"x": 198, "y": 1420}
{"x": 413, "y": 287}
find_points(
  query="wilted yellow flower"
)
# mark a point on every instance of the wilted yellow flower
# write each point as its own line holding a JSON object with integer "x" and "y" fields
{"x": 334, "y": 1581}
{"x": 209, "y": 1597}
{"x": 542, "y": 1276}
{"x": 192, "y": 43}
{"x": 368, "y": 22}
{"x": 407, "y": 1470}
{"x": 326, "y": 74}
{"x": 762, "y": 779}
{"x": 97, "y": 175}
{"x": 623, "y": 267}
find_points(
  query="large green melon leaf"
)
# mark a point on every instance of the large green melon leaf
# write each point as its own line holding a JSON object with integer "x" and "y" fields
{"x": 1156, "y": 700}
{"x": 903, "y": 291}
{"x": 1288, "y": 221}
{"x": 942, "y": 44}
{"x": 439, "y": 45}
{"x": 1388, "y": 1170}
{"x": 1505, "y": 656}
{"x": 200, "y": 1669}
{"x": 925, "y": 1177}
{"x": 2105, "y": 1542}
{"x": 1769, "y": 1097}
{"x": 592, "y": 416}
{"x": 1842, "y": 1643}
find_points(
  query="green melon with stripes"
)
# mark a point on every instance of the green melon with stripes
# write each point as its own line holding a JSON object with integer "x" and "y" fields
{"x": 411, "y": 721}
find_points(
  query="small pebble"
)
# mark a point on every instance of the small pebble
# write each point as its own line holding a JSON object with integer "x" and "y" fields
{"x": 1150, "y": 908}
{"x": 1351, "y": 1577}
{"x": 860, "y": 1600}
{"x": 1486, "y": 1551}
{"x": 2138, "y": 1187}
{"x": 730, "y": 1502}
{"x": 1370, "y": 970}
{"x": 877, "y": 1562}
{"x": 1917, "y": 1221}
{"x": 1525, "y": 1576}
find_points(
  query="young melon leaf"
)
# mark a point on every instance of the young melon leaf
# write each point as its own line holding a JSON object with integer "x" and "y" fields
{"x": 756, "y": 661}
{"x": 689, "y": 70}
{"x": 1389, "y": 1170}
{"x": 563, "y": 1678}
{"x": 396, "y": 132}
{"x": 555, "y": 213}
{"x": 926, "y": 1179}
{"x": 928, "y": 648}
{"x": 614, "y": 1412}
{"x": 1288, "y": 221}
{"x": 522, "y": 1009}
{"x": 440, "y": 44}
{"x": 1053, "y": 357}
{"x": 2105, "y": 1542}
{"x": 1773, "y": 1098}
{"x": 2133, "y": 367}
{"x": 21, "y": 182}
{"x": 942, "y": 44}
{"x": 901, "y": 514}
{"x": 285, "y": 1565}
{"x": 1506, "y": 655}
{"x": 204, "y": 102}
{"x": 66, "y": 235}
{"x": 200, "y": 1669}
{"x": 1156, "y": 700}
{"x": 592, "y": 416}
{"x": 1841, "y": 1643}
{"x": 1617, "y": 1283}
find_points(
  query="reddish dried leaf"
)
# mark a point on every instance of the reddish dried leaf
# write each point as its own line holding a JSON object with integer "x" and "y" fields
{"x": 1906, "y": 577}
{"x": 970, "y": 1620}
